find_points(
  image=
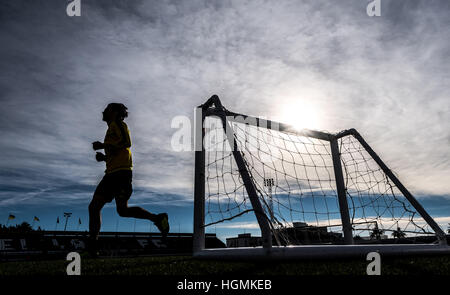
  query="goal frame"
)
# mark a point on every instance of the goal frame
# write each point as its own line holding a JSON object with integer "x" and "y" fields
{"x": 214, "y": 107}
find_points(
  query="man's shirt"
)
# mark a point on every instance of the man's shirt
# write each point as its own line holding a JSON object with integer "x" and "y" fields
{"x": 117, "y": 147}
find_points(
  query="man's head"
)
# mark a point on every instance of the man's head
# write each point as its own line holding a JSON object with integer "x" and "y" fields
{"x": 115, "y": 111}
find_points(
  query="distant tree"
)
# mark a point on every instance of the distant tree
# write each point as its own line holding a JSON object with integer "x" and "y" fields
{"x": 376, "y": 234}
{"x": 24, "y": 227}
{"x": 398, "y": 234}
{"x": 3, "y": 228}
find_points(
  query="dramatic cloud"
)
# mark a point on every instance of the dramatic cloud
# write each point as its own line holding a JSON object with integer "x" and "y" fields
{"x": 385, "y": 76}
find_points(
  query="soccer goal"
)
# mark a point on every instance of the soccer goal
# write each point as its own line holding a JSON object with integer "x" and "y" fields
{"x": 308, "y": 193}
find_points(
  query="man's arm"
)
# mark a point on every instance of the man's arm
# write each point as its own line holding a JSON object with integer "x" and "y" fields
{"x": 100, "y": 157}
{"x": 123, "y": 141}
{"x": 100, "y": 145}
{"x": 97, "y": 145}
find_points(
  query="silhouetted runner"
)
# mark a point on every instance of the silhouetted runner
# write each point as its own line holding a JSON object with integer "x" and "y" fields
{"x": 117, "y": 182}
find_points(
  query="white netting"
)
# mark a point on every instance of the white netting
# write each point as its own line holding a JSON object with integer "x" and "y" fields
{"x": 294, "y": 179}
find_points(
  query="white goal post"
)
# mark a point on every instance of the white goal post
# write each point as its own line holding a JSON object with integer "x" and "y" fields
{"x": 311, "y": 193}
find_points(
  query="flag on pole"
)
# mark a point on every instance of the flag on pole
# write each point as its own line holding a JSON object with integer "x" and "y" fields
{"x": 36, "y": 218}
{"x": 79, "y": 223}
{"x": 11, "y": 217}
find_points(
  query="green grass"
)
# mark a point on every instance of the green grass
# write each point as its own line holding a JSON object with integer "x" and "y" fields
{"x": 185, "y": 265}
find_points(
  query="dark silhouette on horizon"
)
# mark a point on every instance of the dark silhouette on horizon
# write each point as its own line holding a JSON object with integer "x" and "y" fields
{"x": 24, "y": 227}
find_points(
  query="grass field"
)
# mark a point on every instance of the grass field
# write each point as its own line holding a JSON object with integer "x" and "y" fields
{"x": 186, "y": 265}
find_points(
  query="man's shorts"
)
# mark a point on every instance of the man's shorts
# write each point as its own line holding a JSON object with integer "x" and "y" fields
{"x": 115, "y": 185}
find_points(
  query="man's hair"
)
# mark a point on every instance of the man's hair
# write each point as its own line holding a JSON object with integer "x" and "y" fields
{"x": 120, "y": 108}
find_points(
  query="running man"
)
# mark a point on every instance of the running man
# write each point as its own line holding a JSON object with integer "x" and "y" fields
{"x": 116, "y": 184}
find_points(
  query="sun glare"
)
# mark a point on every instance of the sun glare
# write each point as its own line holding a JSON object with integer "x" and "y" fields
{"x": 300, "y": 114}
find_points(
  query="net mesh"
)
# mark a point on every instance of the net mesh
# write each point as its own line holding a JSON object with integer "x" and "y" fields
{"x": 295, "y": 183}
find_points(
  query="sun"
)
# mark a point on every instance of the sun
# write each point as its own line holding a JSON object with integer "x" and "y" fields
{"x": 301, "y": 114}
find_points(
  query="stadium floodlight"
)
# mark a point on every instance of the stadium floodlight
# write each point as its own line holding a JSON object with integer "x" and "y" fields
{"x": 67, "y": 216}
{"x": 269, "y": 183}
{"x": 320, "y": 194}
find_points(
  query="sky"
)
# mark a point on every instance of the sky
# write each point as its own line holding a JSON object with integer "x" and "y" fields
{"x": 318, "y": 64}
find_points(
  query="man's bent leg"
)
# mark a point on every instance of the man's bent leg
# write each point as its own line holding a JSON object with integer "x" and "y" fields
{"x": 160, "y": 220}
{"x": 136, "y": 212}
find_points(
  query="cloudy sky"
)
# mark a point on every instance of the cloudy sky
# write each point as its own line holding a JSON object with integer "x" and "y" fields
{"x": 338, "y": 68}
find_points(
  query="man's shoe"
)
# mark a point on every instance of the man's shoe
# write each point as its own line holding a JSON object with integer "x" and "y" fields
{"x": 162, "y": 224}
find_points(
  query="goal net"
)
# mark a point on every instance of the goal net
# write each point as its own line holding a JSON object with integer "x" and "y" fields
{"x": 303, "y": 187}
